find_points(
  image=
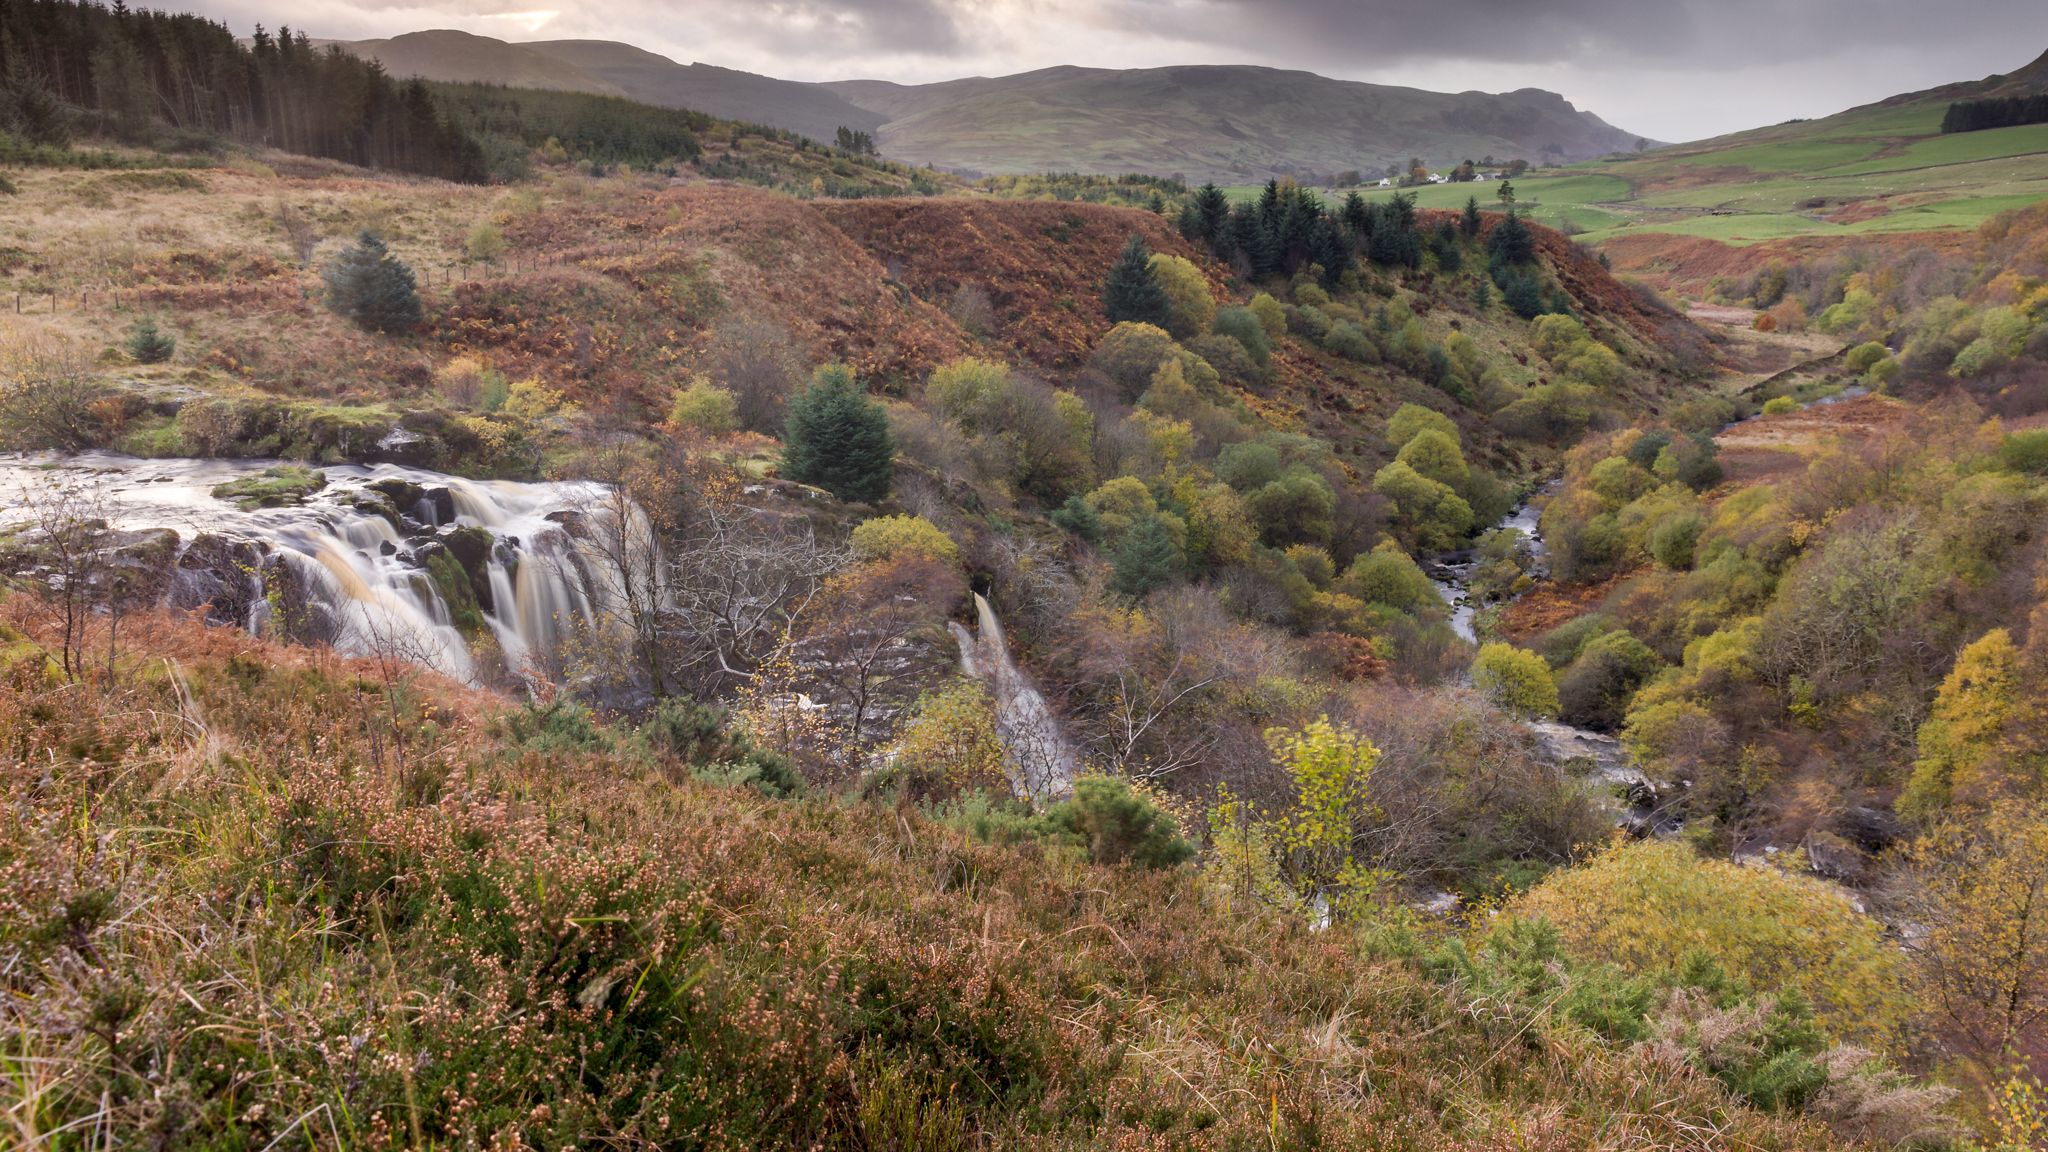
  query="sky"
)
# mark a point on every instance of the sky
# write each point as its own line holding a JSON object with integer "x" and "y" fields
{"x": 1671, "y": 70}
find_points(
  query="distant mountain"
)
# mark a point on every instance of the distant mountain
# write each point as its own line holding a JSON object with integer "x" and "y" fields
{"x": 1225, "y": 122}
{"x": 1233, "y": 124}
{"x": 810, "y": 109}
{"x": 445, "y": 54}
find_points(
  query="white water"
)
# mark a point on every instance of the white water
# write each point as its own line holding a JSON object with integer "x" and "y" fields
{"x": 1042, "y": 762}
{"x": 363, "y": 576}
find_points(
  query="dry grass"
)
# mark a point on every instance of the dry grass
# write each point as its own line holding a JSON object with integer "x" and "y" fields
{"x": 233, "y": 913}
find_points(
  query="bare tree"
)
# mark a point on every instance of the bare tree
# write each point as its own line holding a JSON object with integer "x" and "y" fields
{"x": 65, "y": 551}
{"x": 740, "y": 578}
{"x": 49, "y": 398}
{"x": 299, "y": 231}
{"x": 760, "y": 364}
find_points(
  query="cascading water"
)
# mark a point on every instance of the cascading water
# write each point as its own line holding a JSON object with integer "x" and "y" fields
{"x": 353, "y": 564}
{"x": 1042, "y": 761}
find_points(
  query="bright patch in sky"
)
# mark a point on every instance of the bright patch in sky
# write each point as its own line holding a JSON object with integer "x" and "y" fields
{"x": 527, "y": 22}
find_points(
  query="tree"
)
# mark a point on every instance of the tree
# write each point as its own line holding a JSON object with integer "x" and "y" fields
{"x": 373, "y": 288}
{"x": 1506, "y": 194}
{"x": 1469, "y": 222}
{"x": 1510, "y": 243}
{"x": 838, "y": 439}
{"x": 1118, "y": 825}
{"x": 1516, "y": 679}
{"x": 1189, "y": 306}
{"x": 1132, "y": 292}
{"x": 149, "y": 346}
{"x": 1964, "y": 731}
{"x": 1982, "y": 896}
{"x": 1146, "y": 559}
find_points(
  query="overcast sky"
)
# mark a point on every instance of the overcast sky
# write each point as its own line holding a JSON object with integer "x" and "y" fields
{"x": 1668, "y": 69}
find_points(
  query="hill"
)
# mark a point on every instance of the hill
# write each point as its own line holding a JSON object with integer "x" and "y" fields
{"x": 610, "y": 68}
{"x": 1882, "y": 175}
{"x": 1230, "y": 124}
{"x": 1225, "y": 123}
{"x": 462, "y": 58}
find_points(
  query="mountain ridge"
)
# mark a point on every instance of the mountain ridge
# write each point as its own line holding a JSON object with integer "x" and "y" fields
{"x": 1226, "y": 122}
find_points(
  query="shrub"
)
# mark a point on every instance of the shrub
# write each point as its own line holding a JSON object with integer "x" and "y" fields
{"x": 485, "y": 243}
{"x": 1388, "y": 576}
{"x": 1351, "y": 342}
{"x": 1190, "y": 308}
{"x": 146, "y": 345}
{"x": 702, "y": 736}
{"x": 1130, "y": 353}
{"x": 1673, "y": 540}
{"x": 1300, "y": 505}
{"x": 1411, "y": 419}
{"x": 373, "y": 288}
{"x": 1779, "y": 405}
{"x": 2026, "y": 451}
{"x": 1861, "y": 357}
{"x": 887, "y": 537}
{"x": 1146, "y": 558}
{"x": 1435, "y": 455}
{"x": 1271, "y": 313}
{"x": 1249, "y": 466}
{"x": 838, "y": 439}
{"x": 1646, "y": 905}
{"x": 1516, "y": 679}
{"x": 1595, "y": 690}
{"x": 1242, "y": 325}
{"x": 951, "y": 735}
{"x": 705, "y": 407}
{"x": 966, "y": 390}
{"x": 1118, "y": 825}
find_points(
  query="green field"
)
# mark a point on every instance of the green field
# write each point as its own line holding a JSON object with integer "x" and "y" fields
{"x": 1869, "y": 170}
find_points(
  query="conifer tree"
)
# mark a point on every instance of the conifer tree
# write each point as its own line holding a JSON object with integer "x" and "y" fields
{"x": 838, "y": 439}
{"x": 370, "y": 286}
{"x": 1132, "y": 291}
{"x": 1511, "y": 242}
{"x": 1144, "y": 560}
{"x": 1471, "y": 218}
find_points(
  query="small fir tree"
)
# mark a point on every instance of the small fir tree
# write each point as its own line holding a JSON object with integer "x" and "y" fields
{"x": 1470, "y": 222}
{"x": 838, "y": 439}
{"x": 149, "y": 346}
{"x": 1132, "y": 291}
{"x": 370, "y": 286}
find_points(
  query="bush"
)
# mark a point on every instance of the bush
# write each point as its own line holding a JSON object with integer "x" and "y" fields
{"x": 1861, "y": 357}
{"x": 838, "y": 439}
{"x": 1673, "y": 540}
{"x": 1779, "y": 405}
{"x": 1409, "y": 420}
{"x": 1646, "y": 905}
{"x": 373, "y": 288}
{"x": 2026, "y": 451}
{"x": 1190, "y": 308}
{"x": 1271, "y": 313}
{"x": 1351, "y": 342}
{"x": 1388, "y": 576}
{"x": 701, "y": 736}
{"x": 146, "y": 345}
{"x": 1516, "y": 679}
{"x": 1595, "y": 690}
{"x": 887, "y": 537}
{"x": 1242, "y": 325}
{"x": 1118, "y": 825}
{"x": 705, "y": 407}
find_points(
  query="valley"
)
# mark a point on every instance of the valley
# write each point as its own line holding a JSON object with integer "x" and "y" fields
{"x": 587, "y": 601}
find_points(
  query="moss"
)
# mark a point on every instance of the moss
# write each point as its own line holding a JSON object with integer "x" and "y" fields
{"x": 278, "y": 487}
{"x": 453, "y": 584}
{"x": 19, "y": 655}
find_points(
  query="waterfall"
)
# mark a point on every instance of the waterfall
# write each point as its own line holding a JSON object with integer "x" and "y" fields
{"x": 350, "y": 565}
{"x": 1042, "y": 761}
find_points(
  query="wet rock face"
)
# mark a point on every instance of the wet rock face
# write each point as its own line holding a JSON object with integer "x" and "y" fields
{"x": 471, "y": 548}
{"x": 221, "y": 576}
{"x": 296, "y": 613}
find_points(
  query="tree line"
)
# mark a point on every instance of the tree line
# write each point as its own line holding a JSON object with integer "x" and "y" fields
{"x": 182, "y": 81}
{"x": 1996, "y": 112}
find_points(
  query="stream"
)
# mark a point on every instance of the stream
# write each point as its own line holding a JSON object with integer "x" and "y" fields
{"x": 1598, "y": 757}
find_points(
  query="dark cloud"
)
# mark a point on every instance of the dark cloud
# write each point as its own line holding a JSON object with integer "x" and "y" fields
{"x": 1670, "y": 69}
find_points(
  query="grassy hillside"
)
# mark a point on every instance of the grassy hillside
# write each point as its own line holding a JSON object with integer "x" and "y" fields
{"x": 1684, "y": 215}
{"x": 1227, "y": 124}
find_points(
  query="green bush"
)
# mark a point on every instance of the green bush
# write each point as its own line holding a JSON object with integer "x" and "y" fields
{"x": 1117, "y": 825}
{"x": 1779, "y": 405}
{"x": 2026, "y": 451}
{"x": 701, "y": 736}
{"x": 1595, "y": 690}
{"x": 1243, "y": 326}
{"x": 1673, "y": 540}
{"x": 1516, "y": 679}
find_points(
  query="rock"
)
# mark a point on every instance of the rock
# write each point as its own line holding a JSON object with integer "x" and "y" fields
{"x": 1835, "y": 858}
{"x": 472, "y": 547}
{"x": 1870, "y": 828}
{"x": 295, "y": 613}
{"x": 219, "y": 575}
